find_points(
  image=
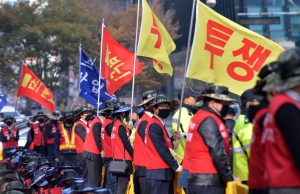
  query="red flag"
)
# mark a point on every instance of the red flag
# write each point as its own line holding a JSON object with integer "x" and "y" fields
{"x": 32, "y": 87}
{"x": 117, "y": 63}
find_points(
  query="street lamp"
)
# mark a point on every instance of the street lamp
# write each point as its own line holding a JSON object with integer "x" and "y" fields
{"x": 211, "y": 3}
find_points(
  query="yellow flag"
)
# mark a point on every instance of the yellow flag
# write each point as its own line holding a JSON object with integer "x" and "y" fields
{"x": 155, "y": 42}
{"x": 226, "y": 53}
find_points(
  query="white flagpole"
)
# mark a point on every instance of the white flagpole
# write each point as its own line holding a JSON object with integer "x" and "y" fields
{"x": 100, "y": 68}
{"x": 135, "y": 51}
{"x": 78, "y": 75}
{"x": 186, "y": 61}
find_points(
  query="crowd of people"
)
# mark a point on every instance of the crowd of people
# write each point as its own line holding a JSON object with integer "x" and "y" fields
{"x": 210, "y": 143}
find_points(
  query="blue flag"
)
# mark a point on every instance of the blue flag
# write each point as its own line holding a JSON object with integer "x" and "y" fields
{"x": 3, "y": 100}
{"x": 89, "y": 83}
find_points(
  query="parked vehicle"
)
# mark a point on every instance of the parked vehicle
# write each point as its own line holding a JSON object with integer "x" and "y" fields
{"x": 10, "y": 110}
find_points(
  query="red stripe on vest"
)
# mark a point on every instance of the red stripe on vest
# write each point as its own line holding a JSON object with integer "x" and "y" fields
{"x": 257, "y": 162}
{"x": 90, "y": 143}
{"x": 153, "y": 160}
{"x": 11, "y": 141}
{"x": 196, "y": 151}
{"x": 280, "y": 167}
{"x": 78, "y": 141}
{"x": 106, "y": 139}
{"x": 117, "y": 144}
{"x": 139, "y": 156}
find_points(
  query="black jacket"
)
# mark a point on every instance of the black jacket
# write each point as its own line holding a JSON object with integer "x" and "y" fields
{"x": 209, "y": 131}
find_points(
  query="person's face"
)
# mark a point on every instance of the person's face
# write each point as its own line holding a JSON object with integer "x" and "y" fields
{"x": 84, "y": 114}
{"x": 253, "y": 102}
{"x": 160, "y": 107}
{"x": 3, "y": 186}
{"x": 135, "y": 116}
{"x": 62, "y": 171}
{"x": 217, "y": 105}
{"x": 191, "y": 100}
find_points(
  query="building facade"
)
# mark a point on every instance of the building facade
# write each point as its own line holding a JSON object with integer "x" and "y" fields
{"x": 286, "y": 11}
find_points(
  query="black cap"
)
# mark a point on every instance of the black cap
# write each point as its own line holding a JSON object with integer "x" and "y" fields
{"x": 187, "y": 92}
{"x": 248, "y": 96}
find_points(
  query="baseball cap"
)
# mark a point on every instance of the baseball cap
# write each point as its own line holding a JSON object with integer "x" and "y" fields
{"x": 187, "y": 92}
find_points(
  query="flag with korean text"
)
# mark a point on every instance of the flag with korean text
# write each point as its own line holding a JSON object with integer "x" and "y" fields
{"x": 89, "y": 83}
{"x": 31, "y": 87}
{"x": 117, "y": 63}
{"x": 155, "y": 42}
{"x": 226, "y": 53}
{"x": 3, "y": 100}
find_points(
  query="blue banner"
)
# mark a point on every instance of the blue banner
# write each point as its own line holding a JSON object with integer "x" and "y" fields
{"x": 3, "y": 100}
{"x": 89, "y": 83}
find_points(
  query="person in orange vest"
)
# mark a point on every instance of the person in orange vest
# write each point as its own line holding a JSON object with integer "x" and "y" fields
{"x": 207, "y": 147}
{"x": 121, "y": 147}
{"x": 82, "y": 116}
{"x": 257, "y": 116}
{"x": 50, "y": 132}
{"x": 281, "y": 132}
{"x": 30, "y": 122}
{"x": 110, "y": 180}
{"x": 9, "y": 134}
{"x": 37, "y": 134}
{"x": 64, "y": 139}
{"x": 139, "y": 156}
{"x": 160, "y": 164}
{"x": 92, "y": 147}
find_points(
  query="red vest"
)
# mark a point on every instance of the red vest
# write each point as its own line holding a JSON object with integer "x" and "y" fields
{"x": 257, "y": 161}
{"x": 153, "y": 159}
{"x": 31, "y": 146}
{"x": 11, "y": 141}
{"x": 106, "y": 139}
{"x": 90, "y": 143}
{"x": 43, "y": 191}
{"x": 139, "y": 156}
{"x": 56, "y": 190}
{"x": 199, "y": 158}
{"x": 280, "y": 167}
{"x": 78, "y": 140}
{"x": 38, "y": 135}
{"x": 118, "y": 148}
{"x": 53, "y": 131}
{"x": 67, "y": 139}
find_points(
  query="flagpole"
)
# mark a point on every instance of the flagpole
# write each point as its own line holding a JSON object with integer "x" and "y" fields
{"x": 186, "y": 62}
{"x": 18, "y": 90}
{"x": 78, "y": 75}
{"x": 135, "y": 51}
{"x": 100, "y": 68}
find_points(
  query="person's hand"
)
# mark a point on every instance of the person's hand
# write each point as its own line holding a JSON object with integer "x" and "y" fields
{"x": 102, "y": 154}
{"x": 236, "y": 179}
{"x": 11, "y": 135}
{"x": 175, "y": 144}
{"x": 179, "y": 169}
{"x": 176, "y": 135}
{"x": 56, "y": 160}
{"x": 130, "y": 125}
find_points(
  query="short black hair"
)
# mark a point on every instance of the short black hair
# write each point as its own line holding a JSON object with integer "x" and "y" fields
{"x": 231, "y": 111}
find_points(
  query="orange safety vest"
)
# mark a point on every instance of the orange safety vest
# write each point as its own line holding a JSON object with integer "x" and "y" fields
{"x": 67, "y": 139}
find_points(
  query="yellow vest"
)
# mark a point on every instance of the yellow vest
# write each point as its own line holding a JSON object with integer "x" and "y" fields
{"x": 243, "y": 130}
{"x": 185, "y": 121}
